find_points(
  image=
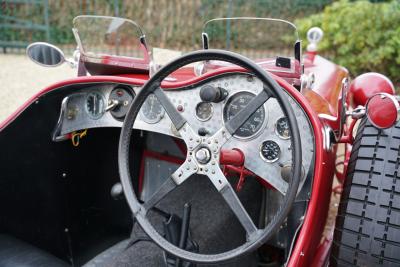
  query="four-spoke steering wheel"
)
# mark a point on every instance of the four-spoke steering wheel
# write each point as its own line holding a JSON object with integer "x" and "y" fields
{"x": 203, "y": 155}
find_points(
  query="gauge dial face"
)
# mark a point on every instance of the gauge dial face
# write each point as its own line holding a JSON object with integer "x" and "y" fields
{"x": 95, "y": 105}
{"x": 152, "y": 111}
{"x": 255, "y": 122}
{"x": 270, "y": 151}
{"x": 204, "y": 111}
{"x": 282, "y": 128}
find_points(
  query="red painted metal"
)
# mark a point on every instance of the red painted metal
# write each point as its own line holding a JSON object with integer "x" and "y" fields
{"x": 233, "y": 157}
{"x": 382, "y": 111}
{"x": 321, "y": 257}
{"x": 367, "y": 85}
{"x": 315, "y": 217}
{"x": 321, "y": 100}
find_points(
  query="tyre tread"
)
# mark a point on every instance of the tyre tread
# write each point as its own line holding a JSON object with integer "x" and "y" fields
{"x": 367, "y": 231}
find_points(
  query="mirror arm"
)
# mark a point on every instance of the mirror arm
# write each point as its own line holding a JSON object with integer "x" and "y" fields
{"x": 205, "y": 40}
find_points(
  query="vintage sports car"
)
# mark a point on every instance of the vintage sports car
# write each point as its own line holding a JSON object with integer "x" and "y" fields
{"x": 211, "y": 159}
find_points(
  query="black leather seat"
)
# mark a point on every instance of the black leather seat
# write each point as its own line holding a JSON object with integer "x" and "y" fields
{"x": 16, "y": 253}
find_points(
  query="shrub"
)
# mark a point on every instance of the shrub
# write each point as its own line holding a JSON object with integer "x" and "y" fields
{"x": 360, "y": 35}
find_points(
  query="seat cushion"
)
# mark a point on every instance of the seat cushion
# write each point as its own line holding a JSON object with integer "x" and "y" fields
{"x": 107, "y": 257}
{"x": 16, "y": 253}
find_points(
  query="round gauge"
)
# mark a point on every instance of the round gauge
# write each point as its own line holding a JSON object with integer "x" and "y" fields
{"x": 152, "y": 111}
{"x": 270, "y": 151}
{"x": 204, "y": 111}
{"x": 120, "y": 99}
{"x": 255, "y": 122}
{"x": 95, "y": 105}
{"x": 282, "y": 128}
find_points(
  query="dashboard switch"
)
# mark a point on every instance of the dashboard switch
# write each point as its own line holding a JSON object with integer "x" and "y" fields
{"x": 209, "y": 93}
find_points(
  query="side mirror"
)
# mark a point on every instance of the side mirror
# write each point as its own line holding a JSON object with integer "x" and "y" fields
{"x": 383, "y": 110}
{"x": 45, "y": 54}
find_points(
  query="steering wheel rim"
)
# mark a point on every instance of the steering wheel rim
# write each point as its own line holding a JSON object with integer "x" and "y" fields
{"x": 271, "y": 88}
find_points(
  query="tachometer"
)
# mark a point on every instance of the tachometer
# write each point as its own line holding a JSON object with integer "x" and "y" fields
{"x": 255, "y": 122}
{"x": 95, "y": 105}
{"x": 204, "y": 111}
{"x": 282, "y": 128}
{"x": 152, "y": 111}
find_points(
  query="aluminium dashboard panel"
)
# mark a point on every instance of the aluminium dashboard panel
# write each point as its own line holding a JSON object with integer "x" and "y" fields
{"x": 74, "y": 118}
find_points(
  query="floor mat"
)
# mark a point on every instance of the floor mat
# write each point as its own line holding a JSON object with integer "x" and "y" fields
{"x": 213, "y": 225}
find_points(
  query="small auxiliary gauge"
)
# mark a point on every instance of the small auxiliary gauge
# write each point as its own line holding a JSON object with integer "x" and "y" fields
{"x": 270, "y": 151}
{"x": 119, "y": 101}
{"x": 95, "y": 105}
{"x": 282, "y": 128}
{"x": 204, "y": 111}
{"x": 152, "y": 111}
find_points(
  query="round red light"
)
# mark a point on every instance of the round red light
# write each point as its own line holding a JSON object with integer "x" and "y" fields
{"x": 383, "y": 110}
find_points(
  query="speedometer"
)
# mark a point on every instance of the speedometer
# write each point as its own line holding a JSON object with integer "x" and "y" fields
{"x": 255, "y": 122}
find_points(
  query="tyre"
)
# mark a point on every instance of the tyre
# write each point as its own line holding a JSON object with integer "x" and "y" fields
{"x": 367, "y": 231}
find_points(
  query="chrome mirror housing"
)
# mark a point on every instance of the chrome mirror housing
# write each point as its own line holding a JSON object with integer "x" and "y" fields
{"x": 45, "y": 54}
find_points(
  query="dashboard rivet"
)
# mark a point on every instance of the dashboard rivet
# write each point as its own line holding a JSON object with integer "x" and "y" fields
{"x": 191, "y": 139}
{"x": 213, "y": 163}
{"x": 198, "y": 140}
{"x": 187, "y": 168}
{"x": 209, "y": 142}
{"x": 213, "y": 172}
{"x": 206, "y": 169}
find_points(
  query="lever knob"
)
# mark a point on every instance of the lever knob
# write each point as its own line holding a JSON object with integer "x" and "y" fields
{"x": 209, "y": 93}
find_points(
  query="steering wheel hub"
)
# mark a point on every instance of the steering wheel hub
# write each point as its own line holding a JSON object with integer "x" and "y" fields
{"x": 203, "y": 155}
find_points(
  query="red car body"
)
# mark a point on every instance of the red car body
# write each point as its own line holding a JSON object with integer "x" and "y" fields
{"x": 324, "y": 108}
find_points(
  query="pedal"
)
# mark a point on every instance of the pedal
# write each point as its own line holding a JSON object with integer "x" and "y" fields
{"x": 177, "y": 232}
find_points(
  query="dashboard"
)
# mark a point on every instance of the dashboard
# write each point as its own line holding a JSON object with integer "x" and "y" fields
{"x": 264, "y": 138}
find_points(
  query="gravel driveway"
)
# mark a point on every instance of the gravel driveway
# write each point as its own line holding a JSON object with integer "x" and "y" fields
{"x": 21, "y": 78}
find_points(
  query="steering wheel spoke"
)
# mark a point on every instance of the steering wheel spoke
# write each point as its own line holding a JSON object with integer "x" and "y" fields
{"x": 178, "y": 177}
{"x": 236, "y": 122}
{"x": 177, "y": 119}
{"x": 188, "y": 135}
{"x": 234, "y": 203}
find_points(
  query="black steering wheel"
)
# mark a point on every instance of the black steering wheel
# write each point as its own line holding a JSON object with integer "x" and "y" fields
{"x": 203, "y": 156}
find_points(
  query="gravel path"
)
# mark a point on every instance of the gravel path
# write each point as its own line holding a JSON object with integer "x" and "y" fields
{"x": 21, "y": 78}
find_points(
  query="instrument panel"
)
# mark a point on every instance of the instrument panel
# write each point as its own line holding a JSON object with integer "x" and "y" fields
{"x": 264, "y": 138}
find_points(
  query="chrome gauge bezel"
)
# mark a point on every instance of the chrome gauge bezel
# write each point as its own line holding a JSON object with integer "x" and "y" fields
{"x": 277, "y": 132}
{"x": 152, "y": 121}
{"x": 211, "y": 113}
{"x": 90, "y": 114}
{"x": 263, "y": 125}
{"x": 268, "y": 160}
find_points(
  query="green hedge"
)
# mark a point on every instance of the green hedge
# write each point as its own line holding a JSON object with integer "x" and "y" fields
{"x": 360, "y": 35}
